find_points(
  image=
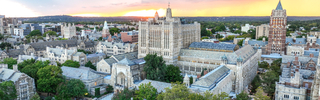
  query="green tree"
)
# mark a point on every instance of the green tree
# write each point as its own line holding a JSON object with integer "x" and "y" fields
{"x": 240, "y": 42}
{"x": 85, "y": 52}
{"x": 263, "y": 64}
{"x": 62, "y": 39}
{"x": 252, "y": 32}
{"x": 96, "y": 91}
{"x": 155, "y": 67}
{"x": 205, "y": 37}
{"x": 275, "y": 66}
{"x": 261, "y": 38}
{"x": 114, "y": 30}
{"x": 31, "y": 69}
{"x": 71, "y": 63}
{"x": 90, "y": 65}
{"x": 7, "y": 91}
{"x": 146, "y": 91}
{"x": 78, "y": 29}
{"x": 49, "y": 78}
{"x": 3, "y": 45}
{"x": 204, "y": 32}
{"x": 172, "y": 74}
{"x": 243, "y": 96}
{"x": 109, "y": 88}
{"x": 256, "y": 82}
{"x": 208, "y": 95}
{"x": 221, "y": 96}
{"x": 195, "y": 96}
{"x": 9, "y": 61}
{"x": 218, "y": 36}
{"x": 237, "y": 31}
{"x": 50, "y": 33}
{"x": 35, "y": 33}
{"x": 259, "y": 95}
{"x": 47, "y": 26}
{"x": 268, "y": 80}
{"x": 72, "y": 88}
{"x": 100, "y": 39}
{"x": 191, "y": 79}
{"x": 126, "y": 94}
{"x": 230, "y": 37}
{"x": 177, "y": 92}
{"x": 35, "y": 97}
{"x": 213, "y": 31}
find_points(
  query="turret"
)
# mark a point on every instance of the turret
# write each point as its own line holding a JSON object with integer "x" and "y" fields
{"x": 169, "y": 13}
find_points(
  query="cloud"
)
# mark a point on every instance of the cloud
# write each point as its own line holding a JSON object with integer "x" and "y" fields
{"x": 117, "y": 4}
{"x": 97, "y": 6}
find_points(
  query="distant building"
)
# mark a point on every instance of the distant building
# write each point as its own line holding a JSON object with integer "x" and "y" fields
{"x": 262, "y": 30}
{"x": 247, "y": 27}
{"x": 105, "y": 30}
{"x": 277, "y": 31}
{"x": 26, "y": 29}
{"x": 61, "y": 54}
{"x": 26, "y": 57}
{"x": 24, "y": 84}
{"x": 7, "y": 24}
{"x": 130, "y": 37}
{"x": 95, "y": 58}
{"x": 112, "y": 48}
{"x": 68, "y": 31}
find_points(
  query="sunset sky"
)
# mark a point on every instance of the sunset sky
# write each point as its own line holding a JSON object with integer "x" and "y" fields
{"x": 109, "y": 8}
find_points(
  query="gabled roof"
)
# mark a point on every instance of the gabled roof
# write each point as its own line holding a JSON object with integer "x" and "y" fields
{"x": 210, "y": 45}
{"x": 79, "y": 73}
{"x": 279, "y": 7}
{"x": 126, "y": 61}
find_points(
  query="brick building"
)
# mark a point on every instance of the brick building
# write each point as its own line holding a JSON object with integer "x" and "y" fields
{"x": 131, "y": 36}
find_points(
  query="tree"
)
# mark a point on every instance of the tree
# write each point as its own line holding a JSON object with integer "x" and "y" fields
{"x": 146, "y": 91}
{"x": 71, "y": 88}
{"x": 268, "y": 80}
{"x": 126, "y": 94}
{"x": 96, "y": 91}
{"x": 3, "y": 45}
{"x": 62, "y": 39}
{"x": 173, "y": 74}
{"x": 178, "y": 91}
{"x": 204, "y": 32}
{"x": 35, "y": 33}
{"x": 109, "y": 88}
{"x": 78, "y": 29}
{"x": 256, "y": 82}
{"x": 218, "y": 36}
{"x": 252, "y": 32}
{"x": 191, "y": 79}
{"x": 9, "y": 61}
{"x": 237, "y": 31}
{"x": 50, "y": 33}
{"x": 213, "y": 31}
{"x": 243, "y": 96}
{"x": 230, "y": 37}
{"x": 49, "y": 78}
{"x": 71, "y": 63}
{"x": 221, "y": 96}
{"x": 7, "y": 91}
{"x": 263, "y": 64}
{"x": 114, "y": 30}
{"x": 240, "y": 42}
{"x": 155, "y": 67}
{"x": 259, "y": 95}
{"x": 32, "y": 68}
{"x": 195, "y": 96}
{"x": 261, "y": 38}
{"x": 90, "y": 65}
{"x": 205, "y": 37}
{"x": 100, "y": 39}
{"x": 35, "y": 97}
{"x": 85, "y": 52}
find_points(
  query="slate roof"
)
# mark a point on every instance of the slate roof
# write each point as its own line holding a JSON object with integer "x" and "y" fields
{"x": 59, "y": 52}
{"x": 120, "y": 45}
{"x": 95, "y": 55}
{"x": 39, "y": 46}
{"x": 302, "y": 59}
{"x": 308, "y": 52}
{"x": 279, "y": 7}
{"x": 160, "y": 86}
{"x": 9, "y": 75}
{"x": 132, "y": 56}
{"x": 16, "y": 52}
{"x": 254, "y": 42}
{"x": 79, "y": 73}
{"x": 126, "y": 61}
{"x": 298, "y": 40}
{"x": 212, "y": 78}
{"x": 210, "y": 45}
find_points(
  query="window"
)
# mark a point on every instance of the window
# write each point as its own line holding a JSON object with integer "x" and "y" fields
{"x": 296, "y": 98}
{"x": 286, "y": 96}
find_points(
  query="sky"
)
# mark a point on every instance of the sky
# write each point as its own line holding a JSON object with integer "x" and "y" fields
{"x": 111, "y": 8}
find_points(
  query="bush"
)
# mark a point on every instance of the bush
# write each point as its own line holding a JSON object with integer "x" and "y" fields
{"x": 97, "y": 92}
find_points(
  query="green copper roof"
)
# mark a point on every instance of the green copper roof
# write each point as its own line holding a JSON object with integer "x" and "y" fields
{"x": 279, "y": 7}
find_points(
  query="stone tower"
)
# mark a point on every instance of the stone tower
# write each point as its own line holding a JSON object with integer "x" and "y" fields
{"x": 277, "y": 31}
{"x": 68, "y": 30}
{"x": 239, "y": 77}
{"x": 169, "y": 13}
{"x": 105, "y": 30}
{"x": 156, "y": 16}
{"x": 186, "y": 80}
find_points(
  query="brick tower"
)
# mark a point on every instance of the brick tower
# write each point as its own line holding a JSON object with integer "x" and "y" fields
{"x": 277, "y": 31}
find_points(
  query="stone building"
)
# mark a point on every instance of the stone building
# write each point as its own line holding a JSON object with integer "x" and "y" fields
{"x": 243, "y": 62}
{"x": 26, "y": 57}
{"x": 95, "y": 58}
{"x": 277, "y": 31}
{"x": 315, "y": 33}
{"x": 262, "y": 30}
{"x": 247, "y": 27}
{"x": 3, "y": 55}
{"x": 166, "y": 36}
{"x": 258, "y": 44}
{"x": 68, "y": 31}
{"x": 24, "y": 84}
{"x": 105, "y": 30}
{"x": 61, "y": 54}
{"x": 297, "y": 77}
{"x": 112, "y": 48}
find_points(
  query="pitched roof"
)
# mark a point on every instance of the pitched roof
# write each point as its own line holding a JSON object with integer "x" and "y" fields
{"x": 210, "y": 45}
{"x": 79, "y": 73}
{"x": 126, "y": 61}
{"x": 9, "y": 75}
{"x": 279, "y": 7}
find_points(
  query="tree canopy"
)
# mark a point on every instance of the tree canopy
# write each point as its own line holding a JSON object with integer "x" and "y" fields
{"x": 177, "y": 91}
{"x": 71, "y": 88}
{"x": 172, "y": 74}
{"x": 114, "y": 30}
{"x": 240, "y": 42}
{"x": 146, "y": 91}
{"x": 9, "y": 61}
{"x": 155, "y": 67}
{"x": 49, "y": 78}
{"x": 3, "y": 45}
{"x": 243, "y": 96}
{"x": 126, "y": 94}
{"x": 7, "y": 91}
{"x": 50, "y": 33}
{"x": 261, "y": 38}
{"x": 35, "y": 33}
{"x": 85, "y": 52}
{"x": 90, "y": 65}
{"x": 259, "y": 95}
{"x": 31, "y": 67}
{"x": 71, "y": 63}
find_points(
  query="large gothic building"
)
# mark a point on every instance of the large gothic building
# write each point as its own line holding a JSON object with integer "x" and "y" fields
{"x": 68, "y": 30}
{"x": 166, "y": 36}
{"x": 277, "y": 31}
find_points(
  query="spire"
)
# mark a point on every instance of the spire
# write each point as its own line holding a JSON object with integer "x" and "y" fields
{"x": 156, "y": 16}
{"x": 169, "y": 5}
{"x": 279, "y": 7}
{"x": 105, "y": 25}
{"x": 169, "y": 13}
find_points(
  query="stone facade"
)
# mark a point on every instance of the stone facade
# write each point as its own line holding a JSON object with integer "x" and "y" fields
{"x": 61, "y": 54}
{"x": 277, "y": 30}
{"x": 24, "y": 84}
{"x": 166, "y": 36}
{"x": 112, "y": 48}
{"x": 105, "y": 30}
{"x": 262, "y": 30}
{"x": 68, "y": 31}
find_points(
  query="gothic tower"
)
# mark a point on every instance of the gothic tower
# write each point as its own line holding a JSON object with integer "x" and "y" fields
{"x": 105, "y": 30}
{"x": 277, "y": 31}
{"x": 169, "y": 13}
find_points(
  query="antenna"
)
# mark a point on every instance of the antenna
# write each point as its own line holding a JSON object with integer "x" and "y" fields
{"x": 169, "y": 5}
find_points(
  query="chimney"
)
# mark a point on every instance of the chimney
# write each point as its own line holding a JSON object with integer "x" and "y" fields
{"x": 296, "y": 58}
{"x": 288, "y": 64}
{"x": 15, "y": 68}
{"x": 311, "y": 55}
{"x": 263, "y": 39}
